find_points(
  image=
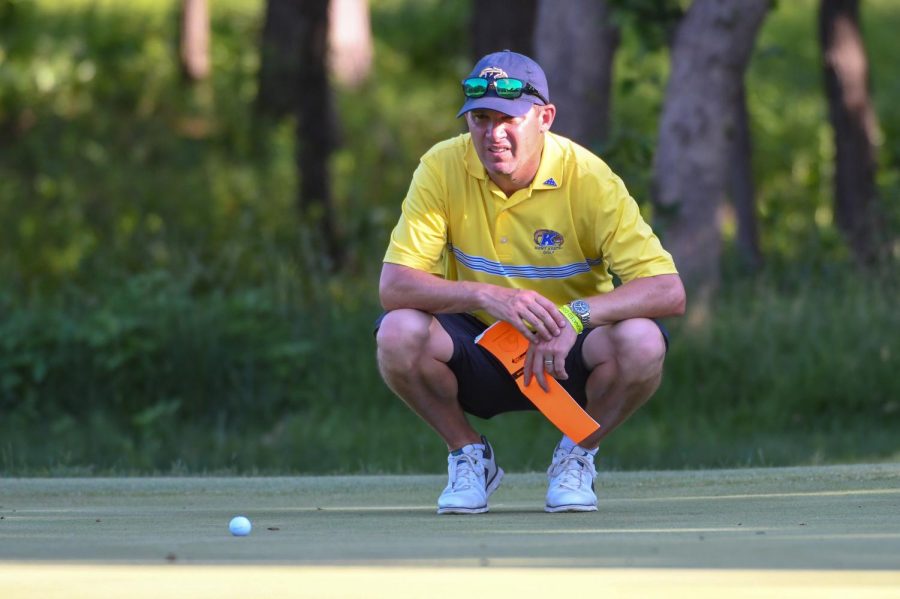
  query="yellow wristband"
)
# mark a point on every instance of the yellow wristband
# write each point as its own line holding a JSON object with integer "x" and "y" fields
{"x": 566, "y": 311}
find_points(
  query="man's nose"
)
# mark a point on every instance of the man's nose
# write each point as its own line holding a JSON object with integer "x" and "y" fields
{"x": 496, "y": 130}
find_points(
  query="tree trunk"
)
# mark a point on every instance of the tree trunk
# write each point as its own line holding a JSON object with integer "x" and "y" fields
{"x": 575, "y": 42}
{"x": 350, "y": 41}
{"x": 194, "y": 46}
{"x": 711, "y": 49}
{"x": 855, "y": 125}
{"x": 743, "y": 195}
{"x": 283, "y": 30}
{"x": 502, "y": 25}
{"x": 294, "y": 81}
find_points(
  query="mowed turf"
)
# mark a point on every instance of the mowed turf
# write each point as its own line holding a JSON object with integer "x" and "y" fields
{"x": 789, "y": 520}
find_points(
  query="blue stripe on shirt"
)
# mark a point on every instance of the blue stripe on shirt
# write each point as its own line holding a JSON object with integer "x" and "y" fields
{"x": 523, "y": 272}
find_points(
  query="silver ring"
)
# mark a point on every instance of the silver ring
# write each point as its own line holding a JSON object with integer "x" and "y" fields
{"x": 549, "y": 362}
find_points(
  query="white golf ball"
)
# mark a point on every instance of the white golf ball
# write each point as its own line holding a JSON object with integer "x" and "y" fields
{"x": 240, "y": 526}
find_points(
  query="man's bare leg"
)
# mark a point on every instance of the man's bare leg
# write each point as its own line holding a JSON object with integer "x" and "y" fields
{"x": 413, "y": 351}
{"x": 626, "y": 362}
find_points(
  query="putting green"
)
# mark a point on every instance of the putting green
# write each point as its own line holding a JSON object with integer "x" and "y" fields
{"x": 821, "y": 530}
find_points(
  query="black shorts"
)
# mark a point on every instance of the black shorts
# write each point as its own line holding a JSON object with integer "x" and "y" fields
{"x": 485, "y": 387}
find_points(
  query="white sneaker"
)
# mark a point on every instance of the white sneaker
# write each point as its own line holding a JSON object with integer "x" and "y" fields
{"x": 474, "y": 475}
{"x": 571, "y": 476}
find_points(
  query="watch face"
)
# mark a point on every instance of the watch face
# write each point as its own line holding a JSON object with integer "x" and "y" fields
{"x": 582, "y": 310}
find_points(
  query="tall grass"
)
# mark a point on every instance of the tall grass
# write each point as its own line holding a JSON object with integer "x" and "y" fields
{"x": 164, "y": 309}
{"x": 148, "y": 377}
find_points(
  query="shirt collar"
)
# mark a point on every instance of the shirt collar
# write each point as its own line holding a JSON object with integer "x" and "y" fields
{"x": 473, "y": 163}
{"x": 550, "y": 171}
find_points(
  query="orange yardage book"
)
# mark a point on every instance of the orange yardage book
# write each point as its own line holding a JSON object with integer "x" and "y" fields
{"x": 509, "y": 346}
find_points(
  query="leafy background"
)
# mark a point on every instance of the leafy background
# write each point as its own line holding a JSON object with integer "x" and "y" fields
{"x": 165, "y": 310}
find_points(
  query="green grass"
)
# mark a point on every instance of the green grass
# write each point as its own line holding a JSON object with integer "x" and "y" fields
{"x": 152, "y": 379}
{"x": 164, "y": 309}
{"x": 748, "y": 518}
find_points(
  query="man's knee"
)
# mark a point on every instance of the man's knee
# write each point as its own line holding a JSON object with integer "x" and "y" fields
{"x": 402, "y": 336}
{"x": 640, "y": 348}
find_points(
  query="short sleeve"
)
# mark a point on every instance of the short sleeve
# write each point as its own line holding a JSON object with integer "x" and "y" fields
{"x": 420, "y": 236}
{"x": 627, "y": 242}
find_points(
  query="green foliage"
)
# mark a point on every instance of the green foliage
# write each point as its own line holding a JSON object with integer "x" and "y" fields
{"x": 147, "y": 376}
{"x": 794, "y": 147}
{"x": 145, "y": 356}
{"x": 653, "y": 21}
{"x": 165, "y": 309}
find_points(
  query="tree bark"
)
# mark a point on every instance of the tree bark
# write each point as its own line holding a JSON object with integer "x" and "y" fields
{"x": 710, "y": 52}
{"x": 350, "y": 41}
{"x": 854, "y": 123}
{"x": 743, "y": 194}
{"x": 575, "y": 42}
{"x": 294, "y": 81}
{"x": 502, "y": 25}
{"x": 194, "y": 46}
{"x": 283, "y": 30}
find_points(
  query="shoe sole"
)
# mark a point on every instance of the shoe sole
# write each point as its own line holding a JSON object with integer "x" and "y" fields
{"x": 570, "y": 508}
{"x": 463, "y": 510}
{"x": 492, "y": 486}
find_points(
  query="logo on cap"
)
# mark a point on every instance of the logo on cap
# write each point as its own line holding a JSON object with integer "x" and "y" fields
{"x": 493, "y": 73}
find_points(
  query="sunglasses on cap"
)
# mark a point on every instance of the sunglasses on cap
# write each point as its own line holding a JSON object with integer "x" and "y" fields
{"x": 506, "y": 87}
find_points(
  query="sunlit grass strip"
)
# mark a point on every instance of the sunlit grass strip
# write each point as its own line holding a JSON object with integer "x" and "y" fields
{"x": 33, "y": 581}
{"x": 145, "y": 6}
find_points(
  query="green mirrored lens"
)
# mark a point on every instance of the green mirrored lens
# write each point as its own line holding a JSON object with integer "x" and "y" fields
{"x": 475, "y": 87}
{"x": 509, "y": 88}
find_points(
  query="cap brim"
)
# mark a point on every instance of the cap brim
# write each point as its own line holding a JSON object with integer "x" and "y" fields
{"x": 518, "y": 107}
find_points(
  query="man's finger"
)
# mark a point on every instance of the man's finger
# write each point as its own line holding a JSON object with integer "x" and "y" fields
{"x": 541, "y": 377}
{"x": 526, "y": 328}
{"x": 548, "y": 325}
{"x": 558, "y": 368}
{"x": 554, "y": 312}
{"x": 528, "y": 370}
{"x": 537, "y": 327}
{"x": 540, "y": 364}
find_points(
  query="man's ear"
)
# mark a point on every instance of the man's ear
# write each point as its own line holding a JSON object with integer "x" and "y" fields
{"x": 548, "y": 113}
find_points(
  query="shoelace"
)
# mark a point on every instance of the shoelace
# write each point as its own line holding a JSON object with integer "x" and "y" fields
{"x": 572, "y": 467}
{"x": 464, "y": 471}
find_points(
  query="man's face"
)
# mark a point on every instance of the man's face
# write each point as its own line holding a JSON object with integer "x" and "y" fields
{"x": 510, "y": 147}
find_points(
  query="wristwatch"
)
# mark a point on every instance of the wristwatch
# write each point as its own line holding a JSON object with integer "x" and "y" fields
{"x": 582, "y": 310}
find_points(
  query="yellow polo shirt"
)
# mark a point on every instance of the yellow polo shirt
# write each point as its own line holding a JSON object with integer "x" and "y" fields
{"x": 560, "y": 237}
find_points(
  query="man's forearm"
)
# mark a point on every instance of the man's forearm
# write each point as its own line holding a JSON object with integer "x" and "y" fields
{"x": 404, "y": 287}
{"x": 649, "y": 297}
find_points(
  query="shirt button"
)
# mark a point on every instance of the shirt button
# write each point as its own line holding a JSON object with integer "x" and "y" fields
{"x": 503, "y": 240}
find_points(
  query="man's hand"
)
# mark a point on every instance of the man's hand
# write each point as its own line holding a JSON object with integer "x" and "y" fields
{"x": 549, "y": 357}
{"x": 532, "y": 314}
